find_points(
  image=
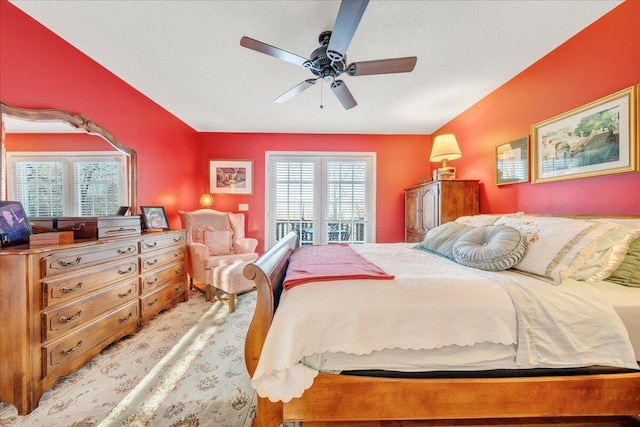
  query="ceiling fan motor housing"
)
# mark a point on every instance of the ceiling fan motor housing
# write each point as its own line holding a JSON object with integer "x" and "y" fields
{"x": 321, "y": 64}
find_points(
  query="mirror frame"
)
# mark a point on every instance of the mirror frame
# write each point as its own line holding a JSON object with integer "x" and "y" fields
{"x": 78, "y": 121}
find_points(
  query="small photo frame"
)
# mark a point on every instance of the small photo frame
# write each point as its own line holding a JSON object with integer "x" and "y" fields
{"x": 15, "y": 228}
{"x": 154, "y": 217}
{"x": 231, "y": 177}
{"x": 512, "y": 162}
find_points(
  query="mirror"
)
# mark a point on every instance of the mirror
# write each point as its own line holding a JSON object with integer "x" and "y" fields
{"x": 49, "y": 123}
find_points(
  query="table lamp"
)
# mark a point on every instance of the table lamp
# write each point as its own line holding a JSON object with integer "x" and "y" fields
{"x": 206, "y": 201}
{"x": 445, "y": 148}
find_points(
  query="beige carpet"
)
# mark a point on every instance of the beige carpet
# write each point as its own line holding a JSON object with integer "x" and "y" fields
{"x": 184, "y": 369}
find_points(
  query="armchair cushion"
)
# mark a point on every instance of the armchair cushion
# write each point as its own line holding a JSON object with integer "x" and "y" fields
{"x": 219, "y": 242}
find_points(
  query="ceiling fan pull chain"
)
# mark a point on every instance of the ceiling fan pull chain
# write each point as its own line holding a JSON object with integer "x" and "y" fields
{"x": 321, "y": 92}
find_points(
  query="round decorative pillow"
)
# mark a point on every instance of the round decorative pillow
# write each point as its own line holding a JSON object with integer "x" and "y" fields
{"x": 491, "y": 248}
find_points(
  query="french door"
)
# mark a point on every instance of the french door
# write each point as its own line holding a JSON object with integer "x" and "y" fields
{"x": 323, "y": 197}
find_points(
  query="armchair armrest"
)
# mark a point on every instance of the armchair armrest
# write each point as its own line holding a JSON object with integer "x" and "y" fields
{"x": 245, "y": 245}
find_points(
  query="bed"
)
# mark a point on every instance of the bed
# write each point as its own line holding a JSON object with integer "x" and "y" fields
{"x": 341, "y": 389}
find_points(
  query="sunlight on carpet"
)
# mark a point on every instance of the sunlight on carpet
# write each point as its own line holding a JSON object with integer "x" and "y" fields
{"x": 185, "y": 368}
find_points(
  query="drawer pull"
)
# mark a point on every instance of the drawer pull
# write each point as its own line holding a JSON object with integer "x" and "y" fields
{"x": 152, "y": 303}
{"x": 124, "y": 319}
{"x": 179, "y": 288}
{"x": 126, "y": 294}
{"x": 178, "y": 239}
{"x": 66, "y": 290}
{"x": 64, "y": 263}
{"x": 151, "y": 282}
{"x": 122, "y": 229}
{"x": 151, "y": 263}
{"x": 65, "y": 319}
{"x": 177, "y": 254}
{"x": 180, "y": 270}
{"x": 78, "y": 227}
{"x": 150, "y": 245}
{"x": 125, "y": 251}
{"x": 64, "y": 352}
{"x": 127, "y": 271}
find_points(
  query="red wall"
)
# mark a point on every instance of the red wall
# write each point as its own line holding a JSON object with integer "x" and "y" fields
{"x": 401, "y": 161}
{"x": 598, "y": 61}
{"x": 55, "y": 142}
{"x": 40, "y": 70}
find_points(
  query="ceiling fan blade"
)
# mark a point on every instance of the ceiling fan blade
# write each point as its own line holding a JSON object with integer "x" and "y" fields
{"x": 295, "y": 90}
{"x": 347, "y": 21}
{"x": 383, "y": 66}
{"x": 256, "y": 45}
{"x": 340, "y": 89}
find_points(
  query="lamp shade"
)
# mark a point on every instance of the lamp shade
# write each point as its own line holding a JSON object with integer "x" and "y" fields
{"x": 445, "y": 147}
{"x": 206, "y": 201}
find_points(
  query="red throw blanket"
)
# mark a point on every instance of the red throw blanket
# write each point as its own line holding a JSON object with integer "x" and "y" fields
{"x": 329, "y": 262}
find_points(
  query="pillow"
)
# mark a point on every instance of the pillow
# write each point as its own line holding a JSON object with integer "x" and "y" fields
{"x": 440, "y": 239}
{"x": 556, "y": 246}
{"x": 491, "y": 248}
{"x": 610, "y": 250}
{"x": 478, "y": 220}
{"x": 484, "y": 219}
{"x": 628, "y": 273}
{"x": 219, "y": 242}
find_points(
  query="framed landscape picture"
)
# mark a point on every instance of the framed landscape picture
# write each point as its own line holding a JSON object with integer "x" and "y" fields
{"x": 599, "y": 138}
{"x": 512, "y": 162}
{"x": 231, "y": 176}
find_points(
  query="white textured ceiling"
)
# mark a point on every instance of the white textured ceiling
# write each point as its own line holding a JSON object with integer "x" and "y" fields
{"x": 186, "y": 56}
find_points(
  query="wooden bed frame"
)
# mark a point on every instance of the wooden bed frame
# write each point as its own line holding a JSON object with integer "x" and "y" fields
{"x": 355, "y": 398}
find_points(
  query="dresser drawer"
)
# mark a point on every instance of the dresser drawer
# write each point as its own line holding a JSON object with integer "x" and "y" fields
{"x": 161, "y": 241}
{"x": 66, "y": 261}
{"x": 162, "y": 298}
{"x": 64, "y": 289}
{"x": 63, "y": 318}
{"x": 151, "y": 281}
{"x": 59, "y": 353}
{"x": 160, "y": 258}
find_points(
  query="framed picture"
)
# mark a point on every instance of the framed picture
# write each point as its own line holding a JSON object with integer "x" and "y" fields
{"x": 231, "y": 176}
{"x": 512, "y": 161}
{"x": 15, "y": 228}
{"x": 599, "y": 138}
{"x": 154, "y": 217}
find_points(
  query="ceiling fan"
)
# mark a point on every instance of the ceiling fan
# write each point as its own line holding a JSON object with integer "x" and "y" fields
{"x": 329, "y": 60}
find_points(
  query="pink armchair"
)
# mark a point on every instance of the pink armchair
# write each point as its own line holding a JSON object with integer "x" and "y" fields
{"x": 215, "y": 238}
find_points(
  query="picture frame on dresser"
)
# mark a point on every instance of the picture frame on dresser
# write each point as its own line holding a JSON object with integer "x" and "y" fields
{"x": 154, "y": 218}
{"x": 512, "y": 161}
{"x": 15, "y": 227}
{"x": 599, "y": 138}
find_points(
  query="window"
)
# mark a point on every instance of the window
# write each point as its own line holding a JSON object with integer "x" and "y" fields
{"x": 68, "y": 184}
{"x": 324, "y": 198}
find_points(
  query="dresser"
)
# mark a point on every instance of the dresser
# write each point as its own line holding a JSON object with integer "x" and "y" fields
{"x": 431, "y": 204}
{"x": 62, "y": 305}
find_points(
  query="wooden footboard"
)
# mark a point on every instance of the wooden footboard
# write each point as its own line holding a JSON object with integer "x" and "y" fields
{"x": 355, "y": 398}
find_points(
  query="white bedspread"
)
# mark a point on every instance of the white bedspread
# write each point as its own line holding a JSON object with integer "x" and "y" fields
{"x": 433, "y": 303}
